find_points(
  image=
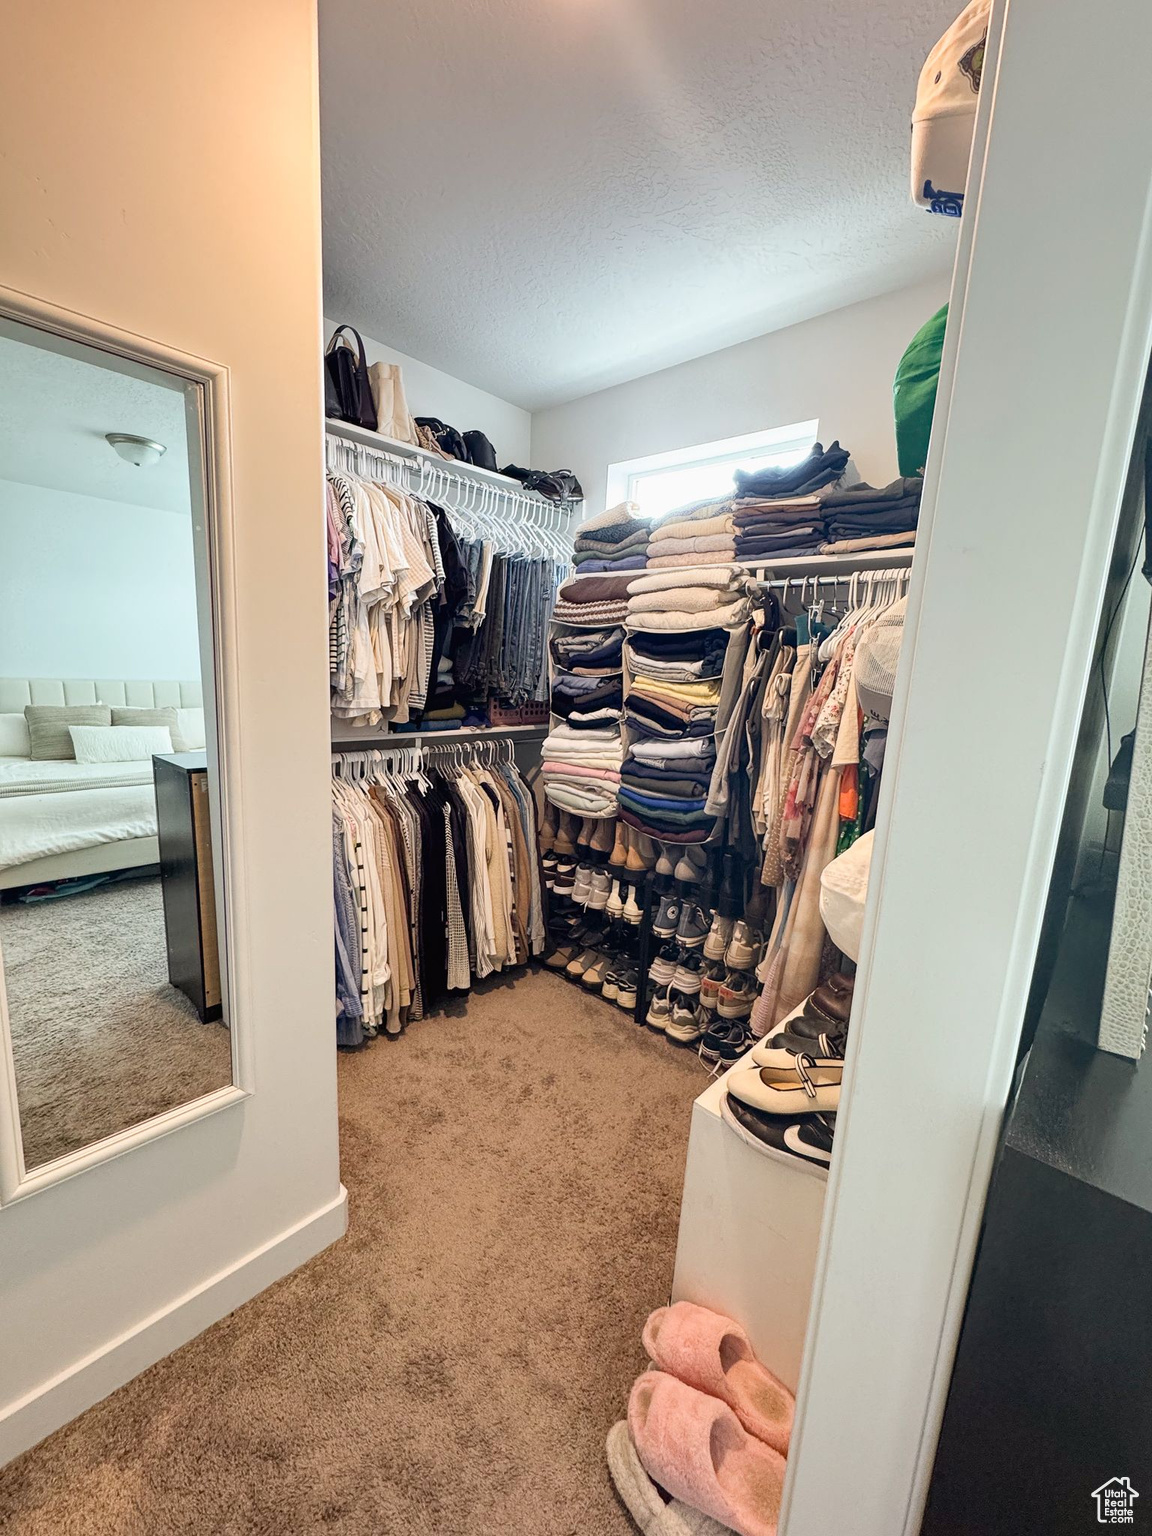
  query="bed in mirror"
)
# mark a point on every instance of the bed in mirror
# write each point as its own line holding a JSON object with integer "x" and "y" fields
{"x": 114, "y": 986}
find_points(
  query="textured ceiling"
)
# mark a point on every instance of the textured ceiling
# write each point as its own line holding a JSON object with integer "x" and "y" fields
{"x": 56, "y": 406}
{"x": 544, "y": 197}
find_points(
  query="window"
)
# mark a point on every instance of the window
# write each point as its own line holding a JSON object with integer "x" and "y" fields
{"x": 662, "y": 481}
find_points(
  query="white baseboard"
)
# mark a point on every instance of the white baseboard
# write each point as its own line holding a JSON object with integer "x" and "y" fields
{"x": 59, "y": 1400}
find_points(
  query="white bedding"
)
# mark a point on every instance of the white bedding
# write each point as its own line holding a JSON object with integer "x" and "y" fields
{"x": 58, "y": 807}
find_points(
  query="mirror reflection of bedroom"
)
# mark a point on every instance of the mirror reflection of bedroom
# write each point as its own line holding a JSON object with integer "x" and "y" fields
{"x": 109, "y": 895}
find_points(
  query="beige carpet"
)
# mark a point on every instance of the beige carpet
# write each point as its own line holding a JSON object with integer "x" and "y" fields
{"x": 100, "y": 1039}
{"x": 452, "y": 1366}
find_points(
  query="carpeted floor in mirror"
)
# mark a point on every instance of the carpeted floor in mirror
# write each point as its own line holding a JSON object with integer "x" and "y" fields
{"x": 452, "y": 1367}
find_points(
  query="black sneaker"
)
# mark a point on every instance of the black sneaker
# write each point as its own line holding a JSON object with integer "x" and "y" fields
{"x": 796, "y": 1138}
{"x": 727, "y": 1041}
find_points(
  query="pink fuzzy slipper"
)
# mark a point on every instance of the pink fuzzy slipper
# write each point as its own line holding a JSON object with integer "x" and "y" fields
{"x": 712, "y": 1353}
{"x": 694, "y": 1447}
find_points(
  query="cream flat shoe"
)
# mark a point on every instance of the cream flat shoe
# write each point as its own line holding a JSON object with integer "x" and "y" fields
{"x": 802, "y": 1089}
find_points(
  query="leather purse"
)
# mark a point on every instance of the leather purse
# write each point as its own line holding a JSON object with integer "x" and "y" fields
{"x": 347, "y": 388}
{"x": 480, "y": 450}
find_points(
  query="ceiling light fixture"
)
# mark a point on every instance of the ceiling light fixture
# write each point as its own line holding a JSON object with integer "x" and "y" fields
{"x": 136, "y": 450}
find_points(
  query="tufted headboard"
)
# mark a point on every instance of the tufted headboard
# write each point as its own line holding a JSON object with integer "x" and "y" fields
{"x": 15, "y": 692}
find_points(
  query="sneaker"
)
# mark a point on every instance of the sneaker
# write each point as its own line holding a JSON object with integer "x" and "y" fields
{"x": 686, "y": 977}
{"x": 599, "y": 888}
{"x": 611, "y": 987}
{"x": 692, "y": 929}
{"x": 614, "y": 906}
{"x": 582, "y": 884}
{"x": 688, "y": 871}
{"x": 710, "y": 979}
{"x": 633, "y": 912}
{"x": 659, "y": 1009}
{"x": 743, "y": 947}
{"x": 667, "y": 919}
{"x": 686, "y": 1023}
{"x": 626, "y": 986}
{"x": 801, "y": 1138}
{"x": 663, "y": 968}
{"x": 726, "y": 1041}
{"x": 719, "y": 936}
{"x": 664, "y": 863}
{"x": 737, "y": 994}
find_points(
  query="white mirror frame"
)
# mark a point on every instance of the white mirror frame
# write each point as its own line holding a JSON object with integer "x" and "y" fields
{"x": 210, "y": 452}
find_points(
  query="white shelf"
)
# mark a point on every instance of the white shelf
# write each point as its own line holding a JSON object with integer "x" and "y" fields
{"x": 795, "y": 565}
{"x": 749, "y": 1232}
{"x": 353, "y": 737}
{"x": 347, "y": 432}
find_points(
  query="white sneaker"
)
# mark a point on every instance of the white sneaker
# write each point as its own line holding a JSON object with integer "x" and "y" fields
{"x": 633, "y": 912}
{"x": 599, "y": 887}
{"x": 719, "y": 936}
{"x": 614, "y": 906}
{"x": 743, "y": 948}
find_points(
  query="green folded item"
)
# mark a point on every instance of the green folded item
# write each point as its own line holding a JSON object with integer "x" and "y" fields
{"x": 914, "y": 393}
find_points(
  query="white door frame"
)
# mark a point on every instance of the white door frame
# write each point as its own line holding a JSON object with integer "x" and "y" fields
{"x": 1043, "y": 370}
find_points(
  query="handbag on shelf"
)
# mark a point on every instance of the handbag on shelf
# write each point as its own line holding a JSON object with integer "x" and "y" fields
{"x": 448, "y": 439}
{"x": 480, "y": 450}
{"x": 347, "y": 388}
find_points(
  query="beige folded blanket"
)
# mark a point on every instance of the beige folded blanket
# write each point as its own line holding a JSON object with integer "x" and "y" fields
{"x": 707, "y": 543}
{"x": 687, "y": 599}
{"x": 659, "y": 581}
{"x": 695, "y": 530}
{"x": 702, "y": 557}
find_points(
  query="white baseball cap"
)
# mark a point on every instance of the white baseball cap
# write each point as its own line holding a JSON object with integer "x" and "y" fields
{"x": 945, "y": 112}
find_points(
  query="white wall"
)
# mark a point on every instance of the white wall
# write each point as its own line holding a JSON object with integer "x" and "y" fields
{"x": 433, "y": 393}
{"x": 94, "y": 588}
{"x": 837, "y": 368}
{"x": 123, "y": 200}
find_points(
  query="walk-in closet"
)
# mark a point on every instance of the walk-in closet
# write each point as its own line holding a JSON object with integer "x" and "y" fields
{"x": 574, "y": 742}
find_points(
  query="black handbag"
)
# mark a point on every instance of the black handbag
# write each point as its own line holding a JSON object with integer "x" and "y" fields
{"x": 447, "y": 437}
{"x": 480, "y": 450}
{"x": 347, "y": 389}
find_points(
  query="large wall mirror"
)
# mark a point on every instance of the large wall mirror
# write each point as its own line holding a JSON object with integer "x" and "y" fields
{"x": 115, "y": 1000}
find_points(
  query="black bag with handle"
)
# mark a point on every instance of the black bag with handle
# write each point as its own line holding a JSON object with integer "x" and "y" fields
{"x": 480, "y": 450}
{"x": 449, "y": 440}
{"x": 347, "y": 390}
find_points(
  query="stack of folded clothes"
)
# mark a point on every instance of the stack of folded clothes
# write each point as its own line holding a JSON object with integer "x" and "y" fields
{"x": 617, "y": 540}
{"x": 593, "y": 600}
{"x": 872, "y": 517}
{"x": 688, "y": 599}
{"x": 779, "y": 513}
{"x": 680, "y": 540}
{"x": 581, "y": 769}
{"x": 679, "y": 625}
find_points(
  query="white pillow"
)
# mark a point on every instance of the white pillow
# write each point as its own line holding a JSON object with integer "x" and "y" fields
{"x": 118, "y": 743}
{"x": 188, "y": 732}
{"x": 14, "y": 739}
